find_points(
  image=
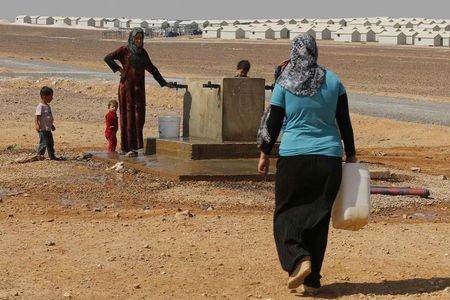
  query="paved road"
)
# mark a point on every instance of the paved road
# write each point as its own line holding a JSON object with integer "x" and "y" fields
{"x": 386, "y": 107}
{"x": 401, "y": 109}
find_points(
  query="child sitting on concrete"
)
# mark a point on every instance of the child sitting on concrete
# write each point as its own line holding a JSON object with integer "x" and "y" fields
{"x": 112, "y": 125}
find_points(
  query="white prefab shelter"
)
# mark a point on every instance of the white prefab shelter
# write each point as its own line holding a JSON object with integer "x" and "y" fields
{"x": 390, "y": 24}
{"x": 158, "y": 26}
{"x": 99, "y": 22}
{"x": 247, "y": 29}
{"x": 232, "y": 33}
{"x": 307, "y": 29}
{"x": 302, "y": 21}
{"x": 202, "y": 23}
{"x": 347, "y": 35}
{"x": 173, "y": 26}
{"x": 323, "y": 22}
{"x": 291, "y": 27}
{"x": 124, "y": 23}
{"x": 217, "y": 23}
{"x": 428, "y": 21}
{"x": 431, "y": 27}
{"x": 378, "y": 30}
{"x": 431, "y": 38}
{"x": 410, "y": 36}
{"x": 280, "y": 32}
{"x": 86, "y": 22}
{"x": 261, "y": 33}
{"x": 111, "y": 23}
{"x": 23, "y": 19}
{"x": 445, "y": 38}
{"x": 415, "y": 23}
{"x": 74, "y": 20}
{"x": 138, "y": 23}
{"x": 290, "y": 21}
{"x": 232, "y": 22}
{"x": 392, "y": 38}
{"x": 406, "y": 24}
{"x": 243, "y": 22}
{"x": 59, "y": 20}
{"x": 374, "y": 21}
{"x": 341, "y": 22}
{"x": 187, "y": 27}
{"x": 367, "y": 35}
{"x": 34, "y": 19}
{"x": 359, "y": 22}
{"x": 45, "y": 20}
{"x": 211, "y": 32}
{"x": 322, "y": 33}
{"x": 333, "y": 29}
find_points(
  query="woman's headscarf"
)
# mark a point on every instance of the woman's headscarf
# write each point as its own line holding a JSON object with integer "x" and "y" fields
{"x": 303, "y": 76}
{"x": 137, "y": 54}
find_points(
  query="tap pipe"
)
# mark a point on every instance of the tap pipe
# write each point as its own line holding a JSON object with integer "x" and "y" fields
{"x": 180, "y": 86}
{"x": 211, "y": 85}
{"x": 269, "y": 87}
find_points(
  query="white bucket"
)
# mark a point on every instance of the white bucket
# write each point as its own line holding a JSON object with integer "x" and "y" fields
{"x": 169, "y": 127}
{"x": 351, "y": 208}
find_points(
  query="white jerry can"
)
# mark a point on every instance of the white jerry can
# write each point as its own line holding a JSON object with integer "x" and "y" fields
{"x": 351, "y": 208}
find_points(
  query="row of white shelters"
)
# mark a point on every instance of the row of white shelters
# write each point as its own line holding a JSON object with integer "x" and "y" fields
{"x": 250, "y": 32}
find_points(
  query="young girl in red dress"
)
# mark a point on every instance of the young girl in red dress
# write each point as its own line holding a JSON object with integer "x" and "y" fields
{"x": 112, "y": 125}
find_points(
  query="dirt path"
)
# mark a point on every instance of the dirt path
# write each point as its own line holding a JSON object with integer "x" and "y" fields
{"x": 72, "y": 228}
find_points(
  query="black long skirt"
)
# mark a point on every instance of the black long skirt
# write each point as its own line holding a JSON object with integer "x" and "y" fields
{"x": 305, "y": 189}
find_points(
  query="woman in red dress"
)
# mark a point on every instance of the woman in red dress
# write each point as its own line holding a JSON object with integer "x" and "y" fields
{"x": 135, "y": 61}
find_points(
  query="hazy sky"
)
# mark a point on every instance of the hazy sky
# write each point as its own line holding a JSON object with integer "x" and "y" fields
{"x": 226, "y": 9}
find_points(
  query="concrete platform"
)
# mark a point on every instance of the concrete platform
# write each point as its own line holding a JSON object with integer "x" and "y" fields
{"x": 202, "y": 170}
{"x": 190, "y": 170}
{"x": 201, "y": 148}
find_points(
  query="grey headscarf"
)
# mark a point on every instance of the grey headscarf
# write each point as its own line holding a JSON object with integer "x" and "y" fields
{"x": 303, "y": 76}
{"x": 137, "y": 54}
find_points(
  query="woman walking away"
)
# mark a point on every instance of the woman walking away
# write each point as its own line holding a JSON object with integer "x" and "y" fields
{"x": 309, "y": 167}
{"x": 135, "y": 61}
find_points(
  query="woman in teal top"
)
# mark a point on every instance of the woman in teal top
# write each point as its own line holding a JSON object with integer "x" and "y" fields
{"x": 309, "y": 169}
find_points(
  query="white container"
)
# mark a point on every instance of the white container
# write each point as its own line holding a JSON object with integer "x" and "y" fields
{"x": 169, "y": 127}
{"x": 351, "y": 208}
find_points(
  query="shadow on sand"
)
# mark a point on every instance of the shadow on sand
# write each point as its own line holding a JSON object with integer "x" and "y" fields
{"x": 396, "y": 288}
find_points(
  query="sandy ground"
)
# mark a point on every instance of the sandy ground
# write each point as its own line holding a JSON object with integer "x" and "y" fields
{"x": 73, "y": 229}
